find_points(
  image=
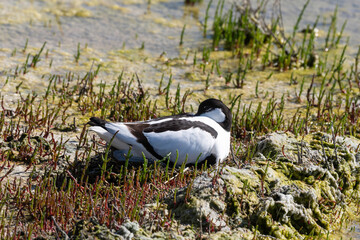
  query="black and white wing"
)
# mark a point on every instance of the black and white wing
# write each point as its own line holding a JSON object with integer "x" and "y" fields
{"x": 185, "y": 137}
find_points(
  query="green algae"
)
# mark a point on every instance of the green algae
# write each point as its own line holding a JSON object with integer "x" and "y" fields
{"x": 323, "y": 190}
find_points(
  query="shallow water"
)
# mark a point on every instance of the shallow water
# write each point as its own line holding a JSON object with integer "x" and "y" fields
{"x": 103, "y": 25}
{"x": 348, "y": 10}
{"x": 107, "y": 25}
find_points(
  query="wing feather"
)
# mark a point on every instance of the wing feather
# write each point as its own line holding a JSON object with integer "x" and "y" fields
{"x": 190, "y": 138}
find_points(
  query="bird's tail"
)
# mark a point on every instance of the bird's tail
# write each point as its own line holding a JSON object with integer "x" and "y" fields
{"x": 95, "y": 121}
{"x": 98, "y": 126}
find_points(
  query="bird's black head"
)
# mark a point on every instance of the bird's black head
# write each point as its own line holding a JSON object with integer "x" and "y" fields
{"x": 216, "y": 110}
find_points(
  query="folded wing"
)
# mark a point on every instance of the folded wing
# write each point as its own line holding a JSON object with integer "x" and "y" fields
{"x": 188, "y": 138}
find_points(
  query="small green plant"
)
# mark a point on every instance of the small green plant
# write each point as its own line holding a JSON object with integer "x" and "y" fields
{"x": 36, "y": 57}
{"x": 182, "y": 35}
{"x": 78, "y": 53}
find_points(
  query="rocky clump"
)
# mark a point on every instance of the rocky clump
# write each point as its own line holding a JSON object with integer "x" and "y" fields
{"x": 293, "y": 188}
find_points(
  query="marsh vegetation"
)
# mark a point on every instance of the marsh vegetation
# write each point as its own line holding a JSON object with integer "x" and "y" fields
{"x": 57, "y": 180}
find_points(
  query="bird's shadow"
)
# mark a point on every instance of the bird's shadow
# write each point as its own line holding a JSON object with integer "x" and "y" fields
{"x": 116, "y": 162}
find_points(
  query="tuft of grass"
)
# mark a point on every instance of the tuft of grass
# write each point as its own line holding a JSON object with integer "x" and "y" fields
{"x": 36, "y": 57}
{"x": 244, "y": 27}
{"x": 78, "y": 53}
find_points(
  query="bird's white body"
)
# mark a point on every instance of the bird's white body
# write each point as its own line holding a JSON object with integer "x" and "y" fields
{"x": 184, "y": 137}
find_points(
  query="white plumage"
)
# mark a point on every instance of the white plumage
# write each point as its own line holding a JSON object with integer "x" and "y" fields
{"x": 205, "y": 134}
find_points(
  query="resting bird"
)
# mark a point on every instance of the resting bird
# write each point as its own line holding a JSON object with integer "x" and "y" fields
{"x": 203, "y": 136}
